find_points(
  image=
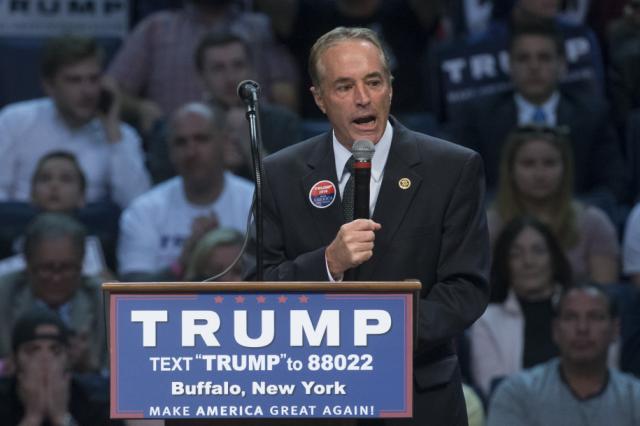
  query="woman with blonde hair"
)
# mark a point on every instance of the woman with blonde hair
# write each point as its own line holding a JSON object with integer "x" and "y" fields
{"x": 536, "y": 178}
{"x": 213, "y": 254}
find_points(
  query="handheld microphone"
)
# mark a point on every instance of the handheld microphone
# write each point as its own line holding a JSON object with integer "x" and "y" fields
{"x": 248, "y": 91}
{"x": 362, "y": 151}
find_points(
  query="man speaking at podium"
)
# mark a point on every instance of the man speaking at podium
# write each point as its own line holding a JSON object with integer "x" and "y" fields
{"x": 426, "y": 206}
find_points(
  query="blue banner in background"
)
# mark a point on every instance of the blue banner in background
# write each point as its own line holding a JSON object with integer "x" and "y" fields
{"x": 261, "y": 355}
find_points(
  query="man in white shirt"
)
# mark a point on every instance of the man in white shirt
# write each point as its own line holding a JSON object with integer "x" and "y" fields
{"x": 160, "y": 228}
{"x": 80, "y": 115}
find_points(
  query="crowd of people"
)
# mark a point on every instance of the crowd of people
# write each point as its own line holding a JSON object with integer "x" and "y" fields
{"x": 138, "y": 168}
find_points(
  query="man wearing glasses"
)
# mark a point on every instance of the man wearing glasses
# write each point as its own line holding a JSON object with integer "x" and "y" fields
{"x": 54, "y": 251}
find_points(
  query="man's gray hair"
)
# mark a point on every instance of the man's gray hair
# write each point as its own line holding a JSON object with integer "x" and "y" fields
{"x": 338, "y": 35}
{"x": 48, "y": 226}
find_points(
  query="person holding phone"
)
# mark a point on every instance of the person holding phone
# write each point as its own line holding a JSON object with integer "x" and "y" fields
{"x": 80, "y": 115}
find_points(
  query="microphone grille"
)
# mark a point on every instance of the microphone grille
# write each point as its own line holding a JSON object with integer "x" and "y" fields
{"x": 362, "y": 150}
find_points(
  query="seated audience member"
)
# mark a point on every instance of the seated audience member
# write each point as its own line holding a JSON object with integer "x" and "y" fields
{"x": 54, "y": 249}
{"x": 474, "y": 65}
{"x": 577, "y": 388}
{"x": 536, "y": 174}
{"x": 58, "y": 185}
{"x": 514, "y": 332}
{"x": 160, "y": 228}
{"x": 43, "y": 390}
{"x": 631, "y": 246}
{"x": 537, "y": 62}
{"x": 80, "y": 115}
{"x": 155, "y": 68}
{"x": 213, "y": 254}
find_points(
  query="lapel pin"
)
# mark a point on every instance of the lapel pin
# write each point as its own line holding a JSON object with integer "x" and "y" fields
{"x": 404, "y": 183}
{"x": 322, "y": 194}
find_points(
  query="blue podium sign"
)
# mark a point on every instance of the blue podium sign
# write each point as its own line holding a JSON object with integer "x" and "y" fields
{"x": 261, "y": 355}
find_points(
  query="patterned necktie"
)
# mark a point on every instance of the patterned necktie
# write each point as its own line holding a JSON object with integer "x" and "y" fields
{"x": 347, "y": 194}
{"x": 539, "y": 117}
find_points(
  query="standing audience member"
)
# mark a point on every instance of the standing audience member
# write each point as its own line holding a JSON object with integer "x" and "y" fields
{"x": 43, "y": 390}
{"x": 631, "y": 247}
{"x": 54, "y": 249}
{"x": 577, "y": 388}
{"x": 155, "y": 69}
{"x": 216, "y": 251}
{"x": 160, "y": 229}
{"x": 514, "y": 332}
{"x": 537, "y": 63}
{"x": 536, "y": 177}
{"x": 80, "y": 115}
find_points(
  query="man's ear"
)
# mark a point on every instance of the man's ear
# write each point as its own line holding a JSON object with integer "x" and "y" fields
{"x": 317, "y": 97}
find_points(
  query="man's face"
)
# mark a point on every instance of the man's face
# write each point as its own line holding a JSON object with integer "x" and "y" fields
{"x": 195, "y": 150}
{"x": 355, "y": 92}
{"x": 584, "y": 327}
{"x": 223, "y": 67}
{"x": 541, "y": 8}
{"x": 536, "y": 67}
{"x": 57, "y": 186}
{"x": 35, "y": 354}
{"x": 54, "y": 269}
{"x": 75, "y": 89}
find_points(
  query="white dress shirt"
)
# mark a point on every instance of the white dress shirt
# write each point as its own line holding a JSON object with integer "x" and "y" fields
{"x": 378, "y": 162}
{"x": 526, "y": 110}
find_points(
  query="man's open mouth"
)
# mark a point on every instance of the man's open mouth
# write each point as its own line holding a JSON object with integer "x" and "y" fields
{"x": 365, "y": 120}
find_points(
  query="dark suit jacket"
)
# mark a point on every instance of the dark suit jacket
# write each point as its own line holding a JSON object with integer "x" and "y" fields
{"x": 434, "y": 231}
{"x": 598, "y": 164}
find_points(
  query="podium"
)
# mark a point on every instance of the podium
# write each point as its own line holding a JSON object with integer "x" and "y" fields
{"x": 303, "y": 353}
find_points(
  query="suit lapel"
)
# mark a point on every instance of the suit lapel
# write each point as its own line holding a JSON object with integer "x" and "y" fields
{"x": 394, "y": 198}
{"x": 321, "y": 163}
